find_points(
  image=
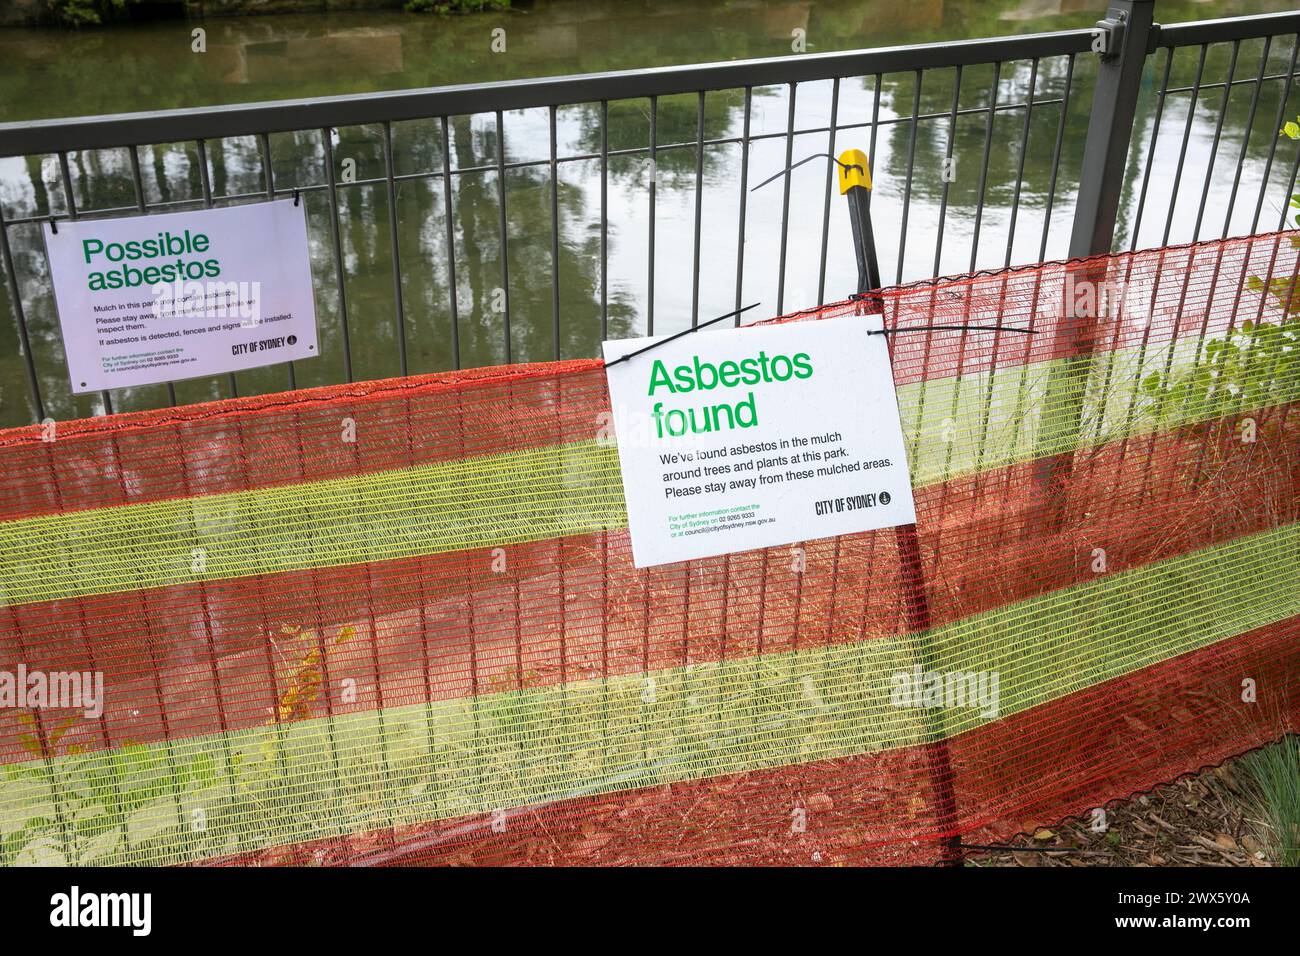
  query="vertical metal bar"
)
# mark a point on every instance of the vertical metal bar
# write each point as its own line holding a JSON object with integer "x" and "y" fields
{"x": 426, "y": 658}
{"x": 66, "y": 174}
{"x": 450, "y": 218}
{"x": 146, "y": 617}
{"x": 785, "y": 202}
{"x": 1173, "y": 350}
{"x": 826, "y": 207}
{"x": 386, "y": 784}
{"x": 1290, "y": 190}
{"x": 327, "y": 140}
{"x": 911, "y": 167}
{"x": 875, "y": 128}
{"x": 105, "y": 735}
{"x": 606, "y": 614}
{"x": 1104, "y": 392}
{"x": 399, "y": 316}
{"x": 654, "y": 180}
{"x": 947, "y": 171}
{"x": 331, "y": 727}
{"x": 1182, "y": 153}
{"x": 604, "y": 222}
{"x": 24, "y": 339}
{"x": 1056, "y": 159}
{"x": 264, "y": 146}
{"x": 257, "y": 594}
{"x": 1245, "y": 138}
{"x": 1276, "y": 404}
{"x": 984, "y": 164}
{"x": 137, "y": 180}
{"x": 1140, "y": 364}
{"x": 143, "y": 207}
{"x": 1161, "y": 96}
{"x": 987, "y": 414}
{"x": 62, "y": 816}
{"x": 699, "y": 210}
{"x": 1218, "y": 133}
{"x": 555, "y": 241}
{"x": 205, "y": 182}
{"x": 1239, "y": 285}
{"x": 744, "y": 197}
{"x": 501, "y": 217}
{"x": 1020, "y": 170}
{"x": 1110, "y": 126}
{"x": 210, "y": 640}
{"x": 1277, "y": 124}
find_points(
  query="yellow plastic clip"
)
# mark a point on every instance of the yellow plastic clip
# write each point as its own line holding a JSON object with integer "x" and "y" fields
{"x": 859, "y": 175}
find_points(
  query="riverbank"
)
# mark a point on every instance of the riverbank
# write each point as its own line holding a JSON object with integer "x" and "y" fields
{"x": 100, "y": 13}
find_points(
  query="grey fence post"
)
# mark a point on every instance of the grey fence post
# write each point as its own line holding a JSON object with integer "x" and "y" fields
{"x": 1127, "y": 31}
{"x": 1121, "y": 42}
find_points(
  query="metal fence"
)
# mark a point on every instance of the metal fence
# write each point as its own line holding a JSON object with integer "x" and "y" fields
{"x": 488, "y": 223}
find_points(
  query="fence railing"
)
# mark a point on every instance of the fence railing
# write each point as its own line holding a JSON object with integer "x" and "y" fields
{"x": 487, "y": 223}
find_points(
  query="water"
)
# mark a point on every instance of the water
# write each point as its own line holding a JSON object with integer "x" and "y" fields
{"x": 150, "y": 66}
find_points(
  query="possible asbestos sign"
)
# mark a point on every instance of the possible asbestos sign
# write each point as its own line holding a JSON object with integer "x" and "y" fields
{"x": 149, "y": 299}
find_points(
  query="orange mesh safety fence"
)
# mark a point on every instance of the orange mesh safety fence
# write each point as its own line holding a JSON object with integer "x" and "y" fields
{"x": 398, "y": 621}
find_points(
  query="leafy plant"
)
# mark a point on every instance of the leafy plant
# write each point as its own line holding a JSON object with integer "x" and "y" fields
{"x": 1246, "y": 369}
{"x": 1251, "y": 367}
{"x": 80, "y": 13}
{"x": 96, "y": 794}
{"x": 447, "y": 7}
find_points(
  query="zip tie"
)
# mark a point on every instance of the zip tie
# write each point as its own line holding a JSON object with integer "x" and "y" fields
{"x": 954, "y": 328}
{"x": 808, "y": 159}
{"x": 678, "y": 335}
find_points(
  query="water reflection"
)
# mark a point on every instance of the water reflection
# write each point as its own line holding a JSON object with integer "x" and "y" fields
{"x": 1009, "y": 199}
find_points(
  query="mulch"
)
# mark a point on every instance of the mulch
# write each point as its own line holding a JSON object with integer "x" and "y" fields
{"x": 1208, "y": 819}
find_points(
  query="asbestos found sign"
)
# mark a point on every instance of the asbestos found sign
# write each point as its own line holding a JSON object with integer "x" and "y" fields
{"x": 755, "y": 437}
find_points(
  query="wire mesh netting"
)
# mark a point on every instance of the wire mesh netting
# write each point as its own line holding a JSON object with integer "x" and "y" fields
{"x": 398, "y": 621}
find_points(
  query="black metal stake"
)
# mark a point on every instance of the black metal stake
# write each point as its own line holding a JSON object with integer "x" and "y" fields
{"x": 855, "y": 183}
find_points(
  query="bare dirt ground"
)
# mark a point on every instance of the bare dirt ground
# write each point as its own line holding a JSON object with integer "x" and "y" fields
{"x": 1205, "y": 820}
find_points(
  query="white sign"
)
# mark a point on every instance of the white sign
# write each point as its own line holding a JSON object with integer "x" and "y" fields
{"x": 148, "y": 299}
{"x": 755, "y": 437}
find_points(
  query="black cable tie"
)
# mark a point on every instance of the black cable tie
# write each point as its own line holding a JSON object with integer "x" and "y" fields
{"x": 807, "y": 159}
{"x": 54, "y": 226}
{"x": 296, "y": 196}
{"x": 953, "y": 328}
{"x": 678, "y": 335}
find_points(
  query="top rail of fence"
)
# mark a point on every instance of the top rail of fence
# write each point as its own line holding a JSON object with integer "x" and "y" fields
{"x": 1225, "y": 30}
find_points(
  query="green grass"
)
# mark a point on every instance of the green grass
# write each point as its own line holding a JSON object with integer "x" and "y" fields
{"x": 1275, "y": 775}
